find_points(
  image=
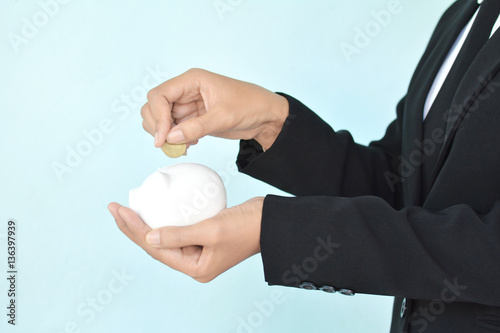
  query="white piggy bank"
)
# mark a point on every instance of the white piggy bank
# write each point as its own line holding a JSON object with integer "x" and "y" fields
{"x": 179, "y": 195}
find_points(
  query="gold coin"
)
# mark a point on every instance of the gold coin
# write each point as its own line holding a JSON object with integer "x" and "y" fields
{"x": 174, "y": 151}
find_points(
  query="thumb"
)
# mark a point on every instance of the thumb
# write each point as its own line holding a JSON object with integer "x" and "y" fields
{"x": 195, "y": 128}
{"x": 202, "y": 233}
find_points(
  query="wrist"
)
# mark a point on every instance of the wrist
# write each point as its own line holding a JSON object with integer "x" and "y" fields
{"x": 279, "y": 113}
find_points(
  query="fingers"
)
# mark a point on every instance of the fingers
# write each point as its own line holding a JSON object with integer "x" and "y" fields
{"x": 148, "y": 121}
{"x": 122, "y": 224}
{"x": 177, "y": 101}
{"x": 113, "y": 209}
{"x": 185, "y": 259}
{"x": 195, "y": 128}
{"x": 200, "y": 234}
{"x": 180, "y": 111}
{"x": 160, "y": 110}
{"x": 182, "y": 89}
{"x": 134, "y": 222}
{"x": 167, "y": 237}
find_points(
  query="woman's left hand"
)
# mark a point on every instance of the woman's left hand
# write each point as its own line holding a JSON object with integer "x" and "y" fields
{"x": 203, "y": 250}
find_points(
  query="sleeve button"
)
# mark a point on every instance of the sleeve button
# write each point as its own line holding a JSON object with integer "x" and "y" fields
{"x": 328, "y": 289}
{"x": 404, "y": 308}
{"x": 347, "y": 292}
{"x": 308, "y": 286}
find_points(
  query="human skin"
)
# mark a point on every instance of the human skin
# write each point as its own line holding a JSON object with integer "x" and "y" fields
{"x": 199, "y": 103}
{"x": 195, "y": 104}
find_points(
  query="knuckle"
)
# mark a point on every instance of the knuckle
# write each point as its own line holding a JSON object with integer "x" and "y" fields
{"x": 144, "y": 111}
{"x": 201, "y": 280}
{"x": 197, "y": 73}
{"x": 153, "y": 94}
{"x": 194, "y": 71}
{"x": 204, "y": 279}
{"x": 198, "y": 271}
{"x": 154, "y": 255}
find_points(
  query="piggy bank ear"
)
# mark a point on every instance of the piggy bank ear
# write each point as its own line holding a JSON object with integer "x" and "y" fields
{"x": 156, "y": 184}
{"x": 158, "y": 180}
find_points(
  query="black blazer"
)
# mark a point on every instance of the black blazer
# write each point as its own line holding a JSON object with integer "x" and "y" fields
{"x": 360, "y": 223}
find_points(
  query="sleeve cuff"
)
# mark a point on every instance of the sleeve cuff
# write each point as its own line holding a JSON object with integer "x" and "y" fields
{"x": 251, "y": 150}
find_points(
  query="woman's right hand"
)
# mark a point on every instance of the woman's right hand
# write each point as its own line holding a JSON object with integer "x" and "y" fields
{"x": 198, "y": 103}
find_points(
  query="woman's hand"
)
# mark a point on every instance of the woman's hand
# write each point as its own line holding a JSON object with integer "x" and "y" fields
{"x": 199, "y": 103}
{"x": 203, "y": 250}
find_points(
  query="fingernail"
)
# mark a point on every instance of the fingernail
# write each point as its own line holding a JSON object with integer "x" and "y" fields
{"x": 156, "y": 139}
{"x": 153, "y": 237}
{"x": 175, "y": 136}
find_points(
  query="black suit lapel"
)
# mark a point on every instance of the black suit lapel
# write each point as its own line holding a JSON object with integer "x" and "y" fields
{"x": 466, "y": 100}
{"x": 419, "y": 88}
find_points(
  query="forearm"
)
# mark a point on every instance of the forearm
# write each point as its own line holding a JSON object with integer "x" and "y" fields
{"x": 310, "y": 158}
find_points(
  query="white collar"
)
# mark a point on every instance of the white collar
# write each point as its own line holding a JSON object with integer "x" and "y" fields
{"x": 479, "y": 2}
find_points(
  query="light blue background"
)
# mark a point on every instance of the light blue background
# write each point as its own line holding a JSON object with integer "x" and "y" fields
{"x": 71, "y": 74}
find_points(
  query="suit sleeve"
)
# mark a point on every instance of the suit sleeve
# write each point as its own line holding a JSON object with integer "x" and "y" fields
{"x": 365, "y": 245}
{"x": 310, "y": 158}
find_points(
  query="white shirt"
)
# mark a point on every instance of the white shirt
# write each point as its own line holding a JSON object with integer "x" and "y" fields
{"x": 450, "y": 59}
